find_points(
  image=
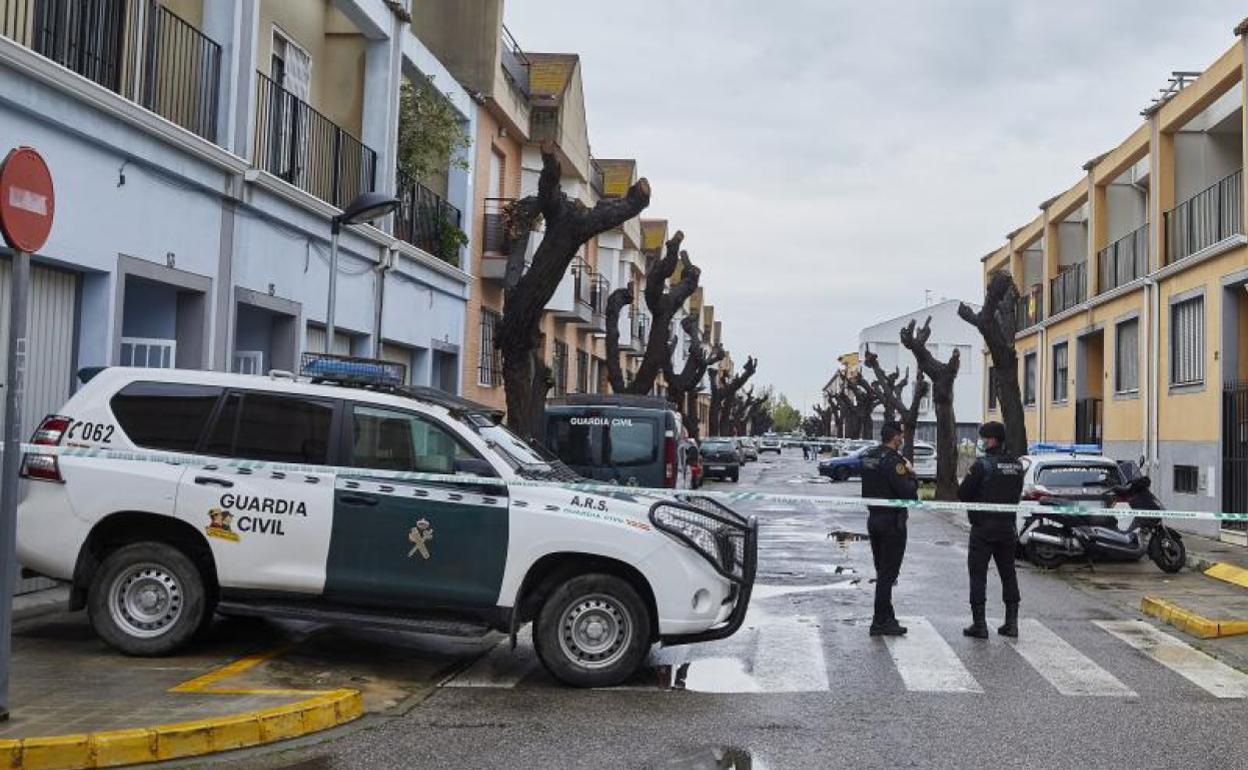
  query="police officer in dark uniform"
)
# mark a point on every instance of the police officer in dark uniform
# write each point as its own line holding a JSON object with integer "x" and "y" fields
{"x": 996, "y": 477}
{"x": 886, "y": 474}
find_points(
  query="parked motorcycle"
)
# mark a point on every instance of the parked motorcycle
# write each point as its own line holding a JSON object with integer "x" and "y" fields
{"x": 1050, "y": 539}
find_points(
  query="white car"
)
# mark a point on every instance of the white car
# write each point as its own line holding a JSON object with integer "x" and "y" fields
{"x": 924, "y": 461}
{"x": 279, "y": 497}
{"x": 770, "y": 444}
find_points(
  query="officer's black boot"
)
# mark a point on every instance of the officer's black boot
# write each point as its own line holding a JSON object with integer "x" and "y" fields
{"x": 1010, "y": 627}
{"x": 978, "y": 627}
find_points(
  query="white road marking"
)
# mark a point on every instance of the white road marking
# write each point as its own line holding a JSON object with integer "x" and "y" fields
{"x": 1207, "y": 673}
{"x": 789, "y": 656}
{"x": 926, "y": 662}
{"x": 1068, "y": 670}
{"x": 501, "y": 667}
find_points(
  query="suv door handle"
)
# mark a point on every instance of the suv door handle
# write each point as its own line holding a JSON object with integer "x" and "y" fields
{"x": 358, "y": 500}
{"x": 205, "y": 480}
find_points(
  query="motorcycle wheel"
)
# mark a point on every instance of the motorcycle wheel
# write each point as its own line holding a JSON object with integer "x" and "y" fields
{"x": 1044, "y": 555}
{"x": 1167, "y": 551}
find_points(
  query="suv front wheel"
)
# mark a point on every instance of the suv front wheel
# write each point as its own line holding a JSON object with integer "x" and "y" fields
{"x": 147, "y": 599}
{"x": 593, "y": 631}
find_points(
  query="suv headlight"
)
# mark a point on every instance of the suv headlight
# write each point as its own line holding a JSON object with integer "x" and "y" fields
{"x": 720, "y": 539}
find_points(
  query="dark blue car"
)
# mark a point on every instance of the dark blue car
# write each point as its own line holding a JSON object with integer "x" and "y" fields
{"x": 843, "y": 468}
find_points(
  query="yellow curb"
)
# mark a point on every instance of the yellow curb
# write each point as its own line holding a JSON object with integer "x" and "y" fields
{"x": 1229, "y": 573}
{"x": 1197, "y": 625}
{"x": 322, "y": 710}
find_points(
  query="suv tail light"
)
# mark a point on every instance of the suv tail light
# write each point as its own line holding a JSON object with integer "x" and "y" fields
{"x": 669, "y": 462}
{"x": 45, "y": 467}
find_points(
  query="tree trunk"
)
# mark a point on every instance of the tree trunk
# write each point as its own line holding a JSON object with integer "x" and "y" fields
{"x": 663, "y": 302}
{"x": 996, "y": 323}
{"x": 689, "y": 378}
{"x": 615, "y": 303}
{"x": 864, "y": 403}
{"x": 890, "y": 389}
{"x": 942, "y": 375}
{"x": 910, "y": 415}
{"x": 721, "y": 415}
{"x": 569, "y": 224}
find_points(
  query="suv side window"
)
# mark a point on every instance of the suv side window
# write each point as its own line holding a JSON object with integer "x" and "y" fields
{"x": 164, "y": 415}
{"x": 392, "y": 440}
{"x": 273, "y": 427}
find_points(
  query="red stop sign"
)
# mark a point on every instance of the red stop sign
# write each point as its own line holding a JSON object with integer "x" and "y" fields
{"x": 27, "y": 201}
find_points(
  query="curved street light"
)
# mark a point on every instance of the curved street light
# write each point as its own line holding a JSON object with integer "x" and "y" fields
{"x": 365, "y": 208}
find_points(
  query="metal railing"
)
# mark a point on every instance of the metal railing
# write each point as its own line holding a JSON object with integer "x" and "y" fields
{"x": 1068, "y": 288}
{"x": 581, "y": 282}
{"x": 296, "y": 143}
{"x": 1123, "y": 261}
{"x": 545, "y": 124}
{"x": 425, "y": 220}
{"x": 1204, "y": 219}
{"x": 599, "y": 290}
{"x": 137, "y": 49}
{"x": 1030, "y": 308}
{"x": 148, "y": 351}
{"x": 494, "y": 236}
{"x": 515, "y": 64}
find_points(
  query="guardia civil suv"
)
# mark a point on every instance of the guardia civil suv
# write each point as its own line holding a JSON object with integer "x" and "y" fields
{"x": 164, "y": 496}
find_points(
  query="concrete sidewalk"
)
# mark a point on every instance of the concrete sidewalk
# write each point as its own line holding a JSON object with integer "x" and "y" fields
{"x": 78, "y": 703}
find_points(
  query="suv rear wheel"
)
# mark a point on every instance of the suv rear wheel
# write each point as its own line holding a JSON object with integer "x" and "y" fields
{"x": 592, "y": 631}
{"x": 147, "y": 599}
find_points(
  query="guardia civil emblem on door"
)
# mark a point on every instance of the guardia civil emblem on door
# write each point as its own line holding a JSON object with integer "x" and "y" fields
{"x": 420, "y": 535}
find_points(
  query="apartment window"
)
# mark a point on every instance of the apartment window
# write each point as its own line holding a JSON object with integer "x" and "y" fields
{"x": 559, "y": 363}
{"x": 1127, "y": 357}
{"x": 1186, "y": 479}
{"x": 992, "y": 387}
{"x": 290, "y": 66}
{"x": 1061, "y": 371}
{"x": 498, "y": 169}
{"x": 1029, "y": 379}
{"x": 582, "y": 371}
{"x": 489, "y": 371}
{"x": 1187, "y": 342}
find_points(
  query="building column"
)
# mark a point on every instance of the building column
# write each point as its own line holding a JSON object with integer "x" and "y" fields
{"x": 383, "y": 61}
{"x": 235, "y": 27}
{"x": 1098, "y": 230}
{"x": 1160, "y": 189}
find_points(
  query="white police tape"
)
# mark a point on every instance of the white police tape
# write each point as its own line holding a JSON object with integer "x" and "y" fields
{"x": 826, "y": 501}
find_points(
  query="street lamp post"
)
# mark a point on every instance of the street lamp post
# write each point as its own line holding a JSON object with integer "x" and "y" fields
{"x": 365, "y": 208}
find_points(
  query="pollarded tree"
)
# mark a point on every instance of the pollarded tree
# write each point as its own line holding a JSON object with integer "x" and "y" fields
{"x": 996, "y": 322}
{"x": 569, "y": 223}
{"x": 723, "y": 395}
{"x": 689, "y": 379}
{"x": 942, "y": 375}
{"x": 865, "y": 400}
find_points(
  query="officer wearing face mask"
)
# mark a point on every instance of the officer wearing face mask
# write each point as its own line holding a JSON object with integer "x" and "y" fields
{"x": 886, "y": 474}
{"x": 996, "y": 477}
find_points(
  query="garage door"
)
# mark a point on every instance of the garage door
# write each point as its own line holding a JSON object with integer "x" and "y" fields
{"x": 315, "y": 341}
{"x": 52, "y": 317}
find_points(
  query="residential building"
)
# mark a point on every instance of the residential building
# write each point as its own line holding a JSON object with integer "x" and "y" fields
{"x": 200, "y": 152}
{"x": 1133, "y": 325}
{"x": 949, "y": 333}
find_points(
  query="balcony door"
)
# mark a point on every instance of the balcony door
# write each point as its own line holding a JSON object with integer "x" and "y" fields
{"x": 290, "y": 67}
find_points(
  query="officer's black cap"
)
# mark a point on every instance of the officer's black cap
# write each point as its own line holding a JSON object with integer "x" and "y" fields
{"x": 992, "y": 429}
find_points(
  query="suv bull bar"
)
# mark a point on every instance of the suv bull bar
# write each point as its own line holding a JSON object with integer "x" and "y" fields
{"x": 731, "y": 525}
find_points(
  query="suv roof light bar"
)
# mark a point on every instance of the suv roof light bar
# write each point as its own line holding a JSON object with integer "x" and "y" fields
{"x": 1050, "y": 447}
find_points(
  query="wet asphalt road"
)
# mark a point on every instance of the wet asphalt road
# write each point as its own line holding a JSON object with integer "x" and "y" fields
{"x": 802, "y": 685}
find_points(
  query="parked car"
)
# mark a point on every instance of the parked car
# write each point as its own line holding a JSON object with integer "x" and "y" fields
{"x": 1087, "y": 481}
{"x": 843, "y": 468}
{"x": 631, "y": 440}
{"x": 296, "y": 499}
{"x": 749, "y": 449}
{"x": 924, "y": 461}
{"x": 770, "y": 444}
{"x": 721, "y": 459}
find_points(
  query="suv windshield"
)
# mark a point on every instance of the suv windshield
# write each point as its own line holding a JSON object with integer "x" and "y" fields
{"x": 525, "y": 459}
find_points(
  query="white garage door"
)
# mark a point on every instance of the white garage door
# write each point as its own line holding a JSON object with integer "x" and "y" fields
{"x": 50, "y": 322}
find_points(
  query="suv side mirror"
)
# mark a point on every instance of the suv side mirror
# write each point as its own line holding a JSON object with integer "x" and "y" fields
{"x": 474, "y": 466}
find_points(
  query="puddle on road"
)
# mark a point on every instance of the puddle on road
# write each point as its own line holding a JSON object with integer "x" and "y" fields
{"x": 714, "y": 758}
{"x": 843, "y": 537}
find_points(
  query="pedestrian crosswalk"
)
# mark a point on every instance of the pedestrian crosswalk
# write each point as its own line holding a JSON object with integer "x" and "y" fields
{"x": 790, "y": 655}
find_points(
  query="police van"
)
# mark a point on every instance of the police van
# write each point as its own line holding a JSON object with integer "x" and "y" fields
{"x": 164, "y": 496}
{"x": 620, "y": 439}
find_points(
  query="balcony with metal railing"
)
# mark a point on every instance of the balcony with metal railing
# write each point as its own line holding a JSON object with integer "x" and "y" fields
{"x": 515, "y": 64}
{"x": 1030, "y": 308}
{"x": 297, "y": 144}
{"x": 643, "y": 331}
{"x": 1068, "y": 288}
{"x": 1123, "y": 261}
{"x": 496, "y": 240}
{"x": 1209, "y": 216}
{"x": 599, "y": 291}
{"x": 425, "y": 220}
{"x": 137, "y": 49}
{"x": 630, "y": 341}
{"x": 571, "y": 301}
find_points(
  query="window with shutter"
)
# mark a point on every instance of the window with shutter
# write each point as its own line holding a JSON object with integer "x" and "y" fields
{"x": 1187, "y": 342}
{"x": 1127, "y": 357}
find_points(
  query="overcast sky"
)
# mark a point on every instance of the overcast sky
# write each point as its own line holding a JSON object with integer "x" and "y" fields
{"x": 830, "y": 161}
